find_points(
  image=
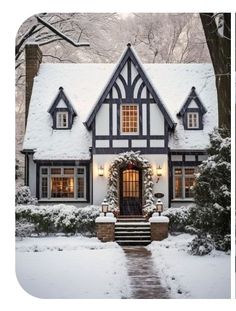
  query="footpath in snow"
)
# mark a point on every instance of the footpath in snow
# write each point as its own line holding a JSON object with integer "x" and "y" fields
{"x": 189, "y": 276}
{"x": 71, "y": 267}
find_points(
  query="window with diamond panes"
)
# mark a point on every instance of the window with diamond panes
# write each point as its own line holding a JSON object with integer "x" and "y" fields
{"x": 129, "y": 119}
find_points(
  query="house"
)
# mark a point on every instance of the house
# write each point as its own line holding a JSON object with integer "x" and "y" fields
{"x": 148, "y": 123}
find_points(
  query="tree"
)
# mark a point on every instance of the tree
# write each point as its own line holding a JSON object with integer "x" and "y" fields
{"x": 212, "y": 189}
{"x": 218, "y": 33}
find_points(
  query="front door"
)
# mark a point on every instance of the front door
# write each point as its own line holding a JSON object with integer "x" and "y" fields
{"x": 130, "y": 191}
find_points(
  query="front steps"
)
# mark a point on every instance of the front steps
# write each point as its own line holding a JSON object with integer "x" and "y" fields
{"x": 132, "y": 231}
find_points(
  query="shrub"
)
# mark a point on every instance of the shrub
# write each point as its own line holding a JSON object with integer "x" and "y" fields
{"x": 23, "y": 196}
{"x": 180, "y": 217}
{"x": 59, "y": 218}
{"x": 201, "y": 245}
{"x": 24, "y": 228}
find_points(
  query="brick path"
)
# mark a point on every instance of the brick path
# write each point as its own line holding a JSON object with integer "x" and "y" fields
{"x": 145, "y": 282}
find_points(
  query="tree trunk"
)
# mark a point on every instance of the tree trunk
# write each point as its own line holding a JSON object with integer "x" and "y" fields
{"x": 220, "y": 51}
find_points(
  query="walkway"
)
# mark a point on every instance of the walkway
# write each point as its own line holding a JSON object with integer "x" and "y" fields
{"x": 145, "y": 283}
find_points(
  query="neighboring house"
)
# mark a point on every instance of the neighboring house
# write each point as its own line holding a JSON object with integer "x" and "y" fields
{"x": 81, "y": 117}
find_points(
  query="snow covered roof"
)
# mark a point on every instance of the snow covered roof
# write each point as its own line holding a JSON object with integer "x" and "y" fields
{"x": 83, "y": 84}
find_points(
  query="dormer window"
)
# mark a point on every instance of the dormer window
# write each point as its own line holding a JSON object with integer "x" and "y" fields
{"x": 193, "y": 120}
{"x": 62, "y": 120}
{"x": 62, "y": 112}
{"x": 192, "y": 112}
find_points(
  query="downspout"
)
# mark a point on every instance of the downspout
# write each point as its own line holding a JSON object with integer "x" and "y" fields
{"x": 91, "y": 175}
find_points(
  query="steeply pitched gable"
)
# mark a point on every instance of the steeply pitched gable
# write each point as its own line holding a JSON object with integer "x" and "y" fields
{"x": 130, "y": 58}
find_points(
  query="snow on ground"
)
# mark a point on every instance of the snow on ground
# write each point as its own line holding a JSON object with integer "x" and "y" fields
{"x": 190, "y": 276}
{"x": 71, "y": 267}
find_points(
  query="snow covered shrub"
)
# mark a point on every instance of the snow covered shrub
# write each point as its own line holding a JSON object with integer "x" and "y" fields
{"x": 180, "y": 217}
{"x": 201, "y": 245}
{"x": 223, "y": 243}
{"x": 24, "y": 228}
{"x": 59, "y": 218}
{"x": 23, "y": 196}
{"x": 212, "y": 189}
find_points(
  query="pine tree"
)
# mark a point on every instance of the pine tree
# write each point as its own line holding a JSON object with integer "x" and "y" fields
{"x": 212, "y": 188}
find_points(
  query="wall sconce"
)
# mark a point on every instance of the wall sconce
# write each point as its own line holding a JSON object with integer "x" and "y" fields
{"x": 100, "y": 171}
{"x": 159, "y": 173}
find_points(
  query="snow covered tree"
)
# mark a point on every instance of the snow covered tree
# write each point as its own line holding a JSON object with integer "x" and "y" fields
{"x": 212, "y": 188}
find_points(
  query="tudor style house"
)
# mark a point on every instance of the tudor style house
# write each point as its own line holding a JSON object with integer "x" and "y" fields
{"x": 82, "y": 117}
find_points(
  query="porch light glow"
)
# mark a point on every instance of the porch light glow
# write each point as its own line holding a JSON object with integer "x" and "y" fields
{"x": 101, "y": 171}
{"x": 105, "y": 207}
{"x": 158, "y": 172}
{"x": 159, "y": 207}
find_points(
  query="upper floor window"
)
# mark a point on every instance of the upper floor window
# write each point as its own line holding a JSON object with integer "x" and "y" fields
{"x": 62, "y": 120}
{"x": 129, "y": 119}
{"x": 192, "y": 112}
{"x": 193, "y": 120}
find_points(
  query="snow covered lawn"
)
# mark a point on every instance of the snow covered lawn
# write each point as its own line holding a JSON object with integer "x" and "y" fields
{"x": 190, "y": 276}
{"x": 71, "y": 267}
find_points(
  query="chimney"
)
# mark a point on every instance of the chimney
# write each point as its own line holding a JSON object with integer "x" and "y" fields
{"x": 33, "y": 59}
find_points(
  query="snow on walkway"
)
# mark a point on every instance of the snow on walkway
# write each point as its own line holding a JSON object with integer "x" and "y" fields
{"x": 71, "y": 267}
{"x": 190, "y": 276}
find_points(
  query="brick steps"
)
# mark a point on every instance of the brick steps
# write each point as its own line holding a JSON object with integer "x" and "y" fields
{"x": 132, "y": 231}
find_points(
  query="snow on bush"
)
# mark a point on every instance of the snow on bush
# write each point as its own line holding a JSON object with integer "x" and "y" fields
{"x": 212, "y": 190}
{"x": 24, "y": 228}
{"x": 201, "y": 245}
{"x": 180, "y": 218}
{"x": 59, "y": 218}
{"x": 23, "y": 196}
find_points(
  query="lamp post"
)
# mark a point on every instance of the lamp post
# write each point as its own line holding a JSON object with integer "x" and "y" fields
{"x": 105, "y": 207}
{"x": 159, "y": 207}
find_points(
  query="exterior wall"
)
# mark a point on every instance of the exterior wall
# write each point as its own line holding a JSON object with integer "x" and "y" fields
{"x": 102, "y": 120}
{"x": 32, "y": 175}
{"x": 100, "y": 182}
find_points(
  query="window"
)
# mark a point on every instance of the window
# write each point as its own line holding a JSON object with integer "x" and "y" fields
{"x": 129, "y": 119}
{"x": 193, "y": 120}
{"x": 63, "y": 183}
{"x": 62, "y": 120}
{"x": 184, "y": 180}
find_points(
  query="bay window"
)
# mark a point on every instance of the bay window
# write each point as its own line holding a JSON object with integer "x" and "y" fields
{"x": 63, "y": 183}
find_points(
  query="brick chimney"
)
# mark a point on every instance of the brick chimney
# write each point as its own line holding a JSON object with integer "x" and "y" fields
{"x": 33, "y": 59}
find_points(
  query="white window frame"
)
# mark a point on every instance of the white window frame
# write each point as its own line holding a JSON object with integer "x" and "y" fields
{"x": 49, "y": 175}
{"x": 183, "y": 198}
{"x": 60, "y": 114}
{"x": 121, "y": 120}
{"x": 197, "y": 120}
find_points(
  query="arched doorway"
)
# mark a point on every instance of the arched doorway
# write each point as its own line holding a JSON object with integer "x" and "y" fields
{"x": 130, "y": 190}
{"x": 130, "y": 184}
